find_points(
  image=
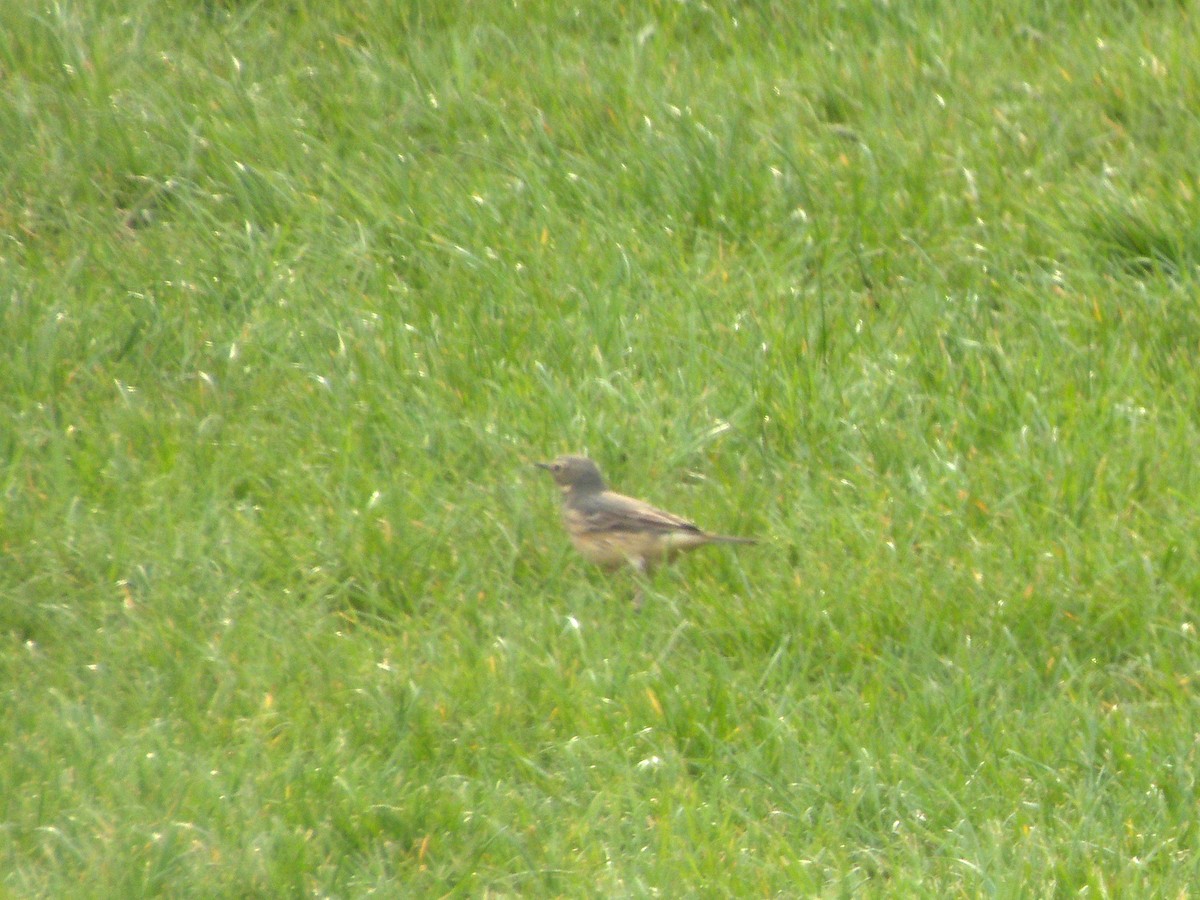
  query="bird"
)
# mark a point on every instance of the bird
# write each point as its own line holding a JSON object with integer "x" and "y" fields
{"x": 612, "y": 530}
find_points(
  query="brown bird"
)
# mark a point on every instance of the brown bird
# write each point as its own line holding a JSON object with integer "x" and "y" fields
{"x": 612, "y": 530}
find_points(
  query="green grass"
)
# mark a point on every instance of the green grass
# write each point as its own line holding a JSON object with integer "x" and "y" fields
{"x": 291, "y": 294}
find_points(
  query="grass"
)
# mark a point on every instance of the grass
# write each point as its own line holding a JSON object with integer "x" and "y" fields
{"x": 291, "y": 294}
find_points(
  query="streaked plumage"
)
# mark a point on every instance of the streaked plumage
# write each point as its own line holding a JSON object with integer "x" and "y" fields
{"x": 611, "y": 529}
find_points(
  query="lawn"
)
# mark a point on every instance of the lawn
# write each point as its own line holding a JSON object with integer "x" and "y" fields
{"x": 293, "y": 294}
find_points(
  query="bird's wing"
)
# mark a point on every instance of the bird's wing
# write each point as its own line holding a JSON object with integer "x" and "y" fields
{"x": 616, "y": 512}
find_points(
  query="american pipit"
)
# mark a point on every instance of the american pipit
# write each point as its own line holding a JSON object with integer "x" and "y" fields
{"x": 612, "y": 530}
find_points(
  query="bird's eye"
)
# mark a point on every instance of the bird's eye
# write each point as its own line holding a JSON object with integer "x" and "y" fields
{"x": 556, "y": 467}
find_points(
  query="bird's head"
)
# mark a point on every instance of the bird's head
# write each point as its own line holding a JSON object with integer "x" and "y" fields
{"x": 574, "y": 473}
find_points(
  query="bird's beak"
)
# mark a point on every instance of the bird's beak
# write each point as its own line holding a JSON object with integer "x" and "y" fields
{"x": 541, "y": 465}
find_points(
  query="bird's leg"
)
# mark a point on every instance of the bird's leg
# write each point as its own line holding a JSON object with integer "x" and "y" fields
{"x": 642, "y": 575}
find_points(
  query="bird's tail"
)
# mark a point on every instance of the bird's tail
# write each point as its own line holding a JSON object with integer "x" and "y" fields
{"x": 731, "y": 539}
